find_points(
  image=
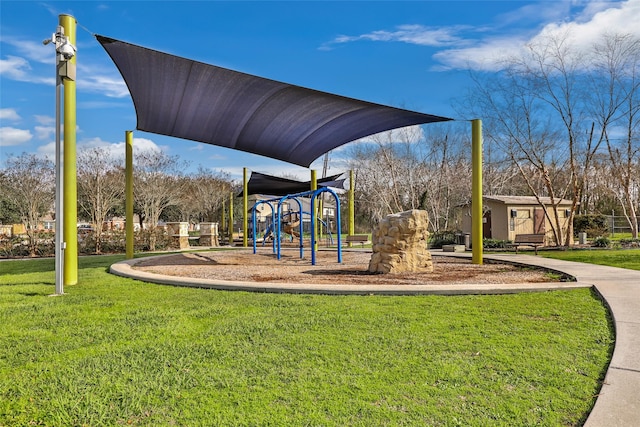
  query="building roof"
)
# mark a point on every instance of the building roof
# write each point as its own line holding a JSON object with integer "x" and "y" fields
{"x": 524, "y": 200}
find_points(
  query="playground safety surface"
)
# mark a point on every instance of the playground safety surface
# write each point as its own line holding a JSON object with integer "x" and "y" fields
{"x": 245, "y": 266}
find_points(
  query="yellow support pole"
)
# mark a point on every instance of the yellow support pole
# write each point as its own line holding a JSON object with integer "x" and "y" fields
{"x": 128, "y": 174}
{"x": 70, "y": 184}
{"x": 352, "y": 213}
{"x": 314, "y": 187}
{"x": 476, "y": 191}
{"x": 245, "y": 206}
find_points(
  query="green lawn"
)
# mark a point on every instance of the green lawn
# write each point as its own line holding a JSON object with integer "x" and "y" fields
{"x": 623, "y": 258}
{"x": 114, "y": 351}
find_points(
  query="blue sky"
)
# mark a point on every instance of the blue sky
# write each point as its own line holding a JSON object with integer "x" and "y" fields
{"x": 415, "y": 55}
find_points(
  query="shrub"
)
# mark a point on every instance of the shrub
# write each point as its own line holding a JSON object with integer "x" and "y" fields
{"x": 601, "y": 242}
{"x": 593, "y": 225}
{"x": 13, "y": 247}
{"x": 439, "y": 238}
{"x": 630, "y": 243}
{"x": 143, "y": 237}
{"x": 494, "y": 243}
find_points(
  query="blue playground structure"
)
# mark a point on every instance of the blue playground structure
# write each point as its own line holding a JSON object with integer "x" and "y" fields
{"x": 269, "y": 230}
{"x": 276, "y": 216}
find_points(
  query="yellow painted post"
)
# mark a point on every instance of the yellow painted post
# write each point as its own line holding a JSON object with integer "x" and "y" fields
{"x": 128, "y": 174}
{"x": 230, "y": 229}
{"x": 70, "y": 185}
{"x": 314, "y": 187}
{"x": 224, "y": 217}
{"x": 352, "y": 214}
{"x": 245, "y": 206}
{"x": 476, "y": 191}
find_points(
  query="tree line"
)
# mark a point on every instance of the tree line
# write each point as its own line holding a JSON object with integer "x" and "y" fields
{"x": 560, "y": 121}
{"x": 162, "y": 191}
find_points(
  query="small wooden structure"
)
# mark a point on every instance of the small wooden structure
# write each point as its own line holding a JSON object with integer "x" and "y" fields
{"x": 506, "y": 217}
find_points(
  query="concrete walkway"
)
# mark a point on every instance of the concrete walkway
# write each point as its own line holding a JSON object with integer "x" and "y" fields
{"x": 618, "y": 403}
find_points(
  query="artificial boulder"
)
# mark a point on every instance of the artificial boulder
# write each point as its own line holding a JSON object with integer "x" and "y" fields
{"x": 400, "y": 244}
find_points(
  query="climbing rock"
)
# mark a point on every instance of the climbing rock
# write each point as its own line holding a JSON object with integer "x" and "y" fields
{"x": 400, "y": 244}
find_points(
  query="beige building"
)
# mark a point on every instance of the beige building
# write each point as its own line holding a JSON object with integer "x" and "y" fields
{"x": 506, "y": 216}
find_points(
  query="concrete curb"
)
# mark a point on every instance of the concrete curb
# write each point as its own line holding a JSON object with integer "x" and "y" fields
{"x": 125, "y": 269}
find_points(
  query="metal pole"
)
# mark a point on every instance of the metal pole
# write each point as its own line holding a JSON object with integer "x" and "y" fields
{"x": 230, "y": 229}
{"x": 352, "y": 214}
{"x": 59, "y": 199}
{"x": 476, "y": 191}
{"x": 128, "y": 173}
{"x": 314, "y": 216}
{"x": 224, "y": 218}
{"x": 245, "y": 205}
{"x": 613, "y": 223}
{"x": 70, "y": 189}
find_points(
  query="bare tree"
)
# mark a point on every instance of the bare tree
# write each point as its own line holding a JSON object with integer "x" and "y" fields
{"x": 551, "y": 111}
{"x": 158, "y": 184}
{"x": 100, "y": 187}
{"x": 617, "y": 110}
{"x": 402, "y": 170}
{"x": 29, "y": 185}
{"x": 205, "y": 192}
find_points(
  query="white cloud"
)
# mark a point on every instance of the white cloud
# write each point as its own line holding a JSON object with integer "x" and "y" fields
{"x": 44, "y": 132}
{"x": 45, "y": 120}
{"x": 10, "y": 136}
{"x": 9, "y": 114}
{"x": 116, "y": 150}
{"x": 461, "y": 48}
{"x": 48, "y": 151}
{"x": 409, "y": 134}
{"x": 586, "y": 28}
{"x": 35, "y": 51}
{"x": 110, "y": 85}
{"x": 91, "y": 78}
{"x": 540, "y": 12}
{"x": 14, "y": 68}
{"x": 412, "y": 34}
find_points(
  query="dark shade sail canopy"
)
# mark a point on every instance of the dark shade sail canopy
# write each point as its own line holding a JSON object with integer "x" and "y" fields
{"x": 260, "y": 183}
{"x": 187, "y": 99}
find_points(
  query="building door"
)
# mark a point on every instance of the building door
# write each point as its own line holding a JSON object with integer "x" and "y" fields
{"x": 539, "y": 221}
{"x": 486, "y": 225}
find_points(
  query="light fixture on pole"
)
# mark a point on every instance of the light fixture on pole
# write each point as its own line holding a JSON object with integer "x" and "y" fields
{"x": 64, "y": 52}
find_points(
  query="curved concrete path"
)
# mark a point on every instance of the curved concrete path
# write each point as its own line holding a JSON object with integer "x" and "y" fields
{"x": 618, "y": 403}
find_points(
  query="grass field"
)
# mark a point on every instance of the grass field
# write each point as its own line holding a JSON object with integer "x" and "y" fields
{"x": 625, "y": 258}
{"x": 114, "y": 351}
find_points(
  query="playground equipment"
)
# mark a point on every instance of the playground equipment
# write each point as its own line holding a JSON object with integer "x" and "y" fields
{"x": 276, "y": 216}
{"x": 289, "y": 227}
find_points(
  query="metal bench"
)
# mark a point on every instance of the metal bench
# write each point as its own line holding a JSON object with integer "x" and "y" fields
{"x": 533, "y": 240}
{"x": 358, "y": 238}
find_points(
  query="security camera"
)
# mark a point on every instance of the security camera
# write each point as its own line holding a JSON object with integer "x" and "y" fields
{"x": 67, "y": 50}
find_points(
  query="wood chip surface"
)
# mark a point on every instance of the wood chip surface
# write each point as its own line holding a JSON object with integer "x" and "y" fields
{"x": 243, "y": 265}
